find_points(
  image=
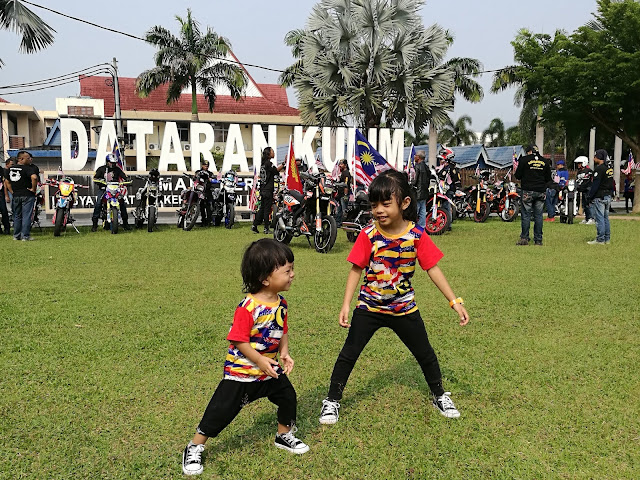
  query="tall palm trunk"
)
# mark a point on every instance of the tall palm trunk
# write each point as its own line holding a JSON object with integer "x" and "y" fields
{"x": 433, "y": 144}
{"x": 194, "y": 102}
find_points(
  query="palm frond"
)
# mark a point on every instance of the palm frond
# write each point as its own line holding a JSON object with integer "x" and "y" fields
{"x": 35, "y": 33}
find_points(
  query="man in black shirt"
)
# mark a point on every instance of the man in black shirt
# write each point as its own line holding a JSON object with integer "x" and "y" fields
{"x": 22, "y": 183}
{"x": 534, "y": 173}
{"x": 268, "y": 172}
{"x": 600, "y": 195}
{"x": 109, "y": 172}
{"x": 206, "y": 207}
{"x": 421, "y": 184}
{"x": 343, "y": 193}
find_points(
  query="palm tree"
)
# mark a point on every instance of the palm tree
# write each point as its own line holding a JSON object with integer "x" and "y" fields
{"x": 420, "y": 138}
{"x": 192, "y": 60}
{"x": 495, "y": 132}
{"x": 365, "y": 61}
{"x": 35, "y": 33}
{"x": 458, "y": 133}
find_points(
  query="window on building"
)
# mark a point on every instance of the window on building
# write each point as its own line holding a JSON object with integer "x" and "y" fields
{"x": 220, "y": 132}
{"x": 48, "y": 130}
{"x": 80, "y": 111}
{"x": 129, "y": 140}
{"x": 183, "y": 132}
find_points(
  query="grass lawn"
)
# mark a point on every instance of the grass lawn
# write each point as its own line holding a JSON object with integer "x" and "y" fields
{"x": 112, "y": 346}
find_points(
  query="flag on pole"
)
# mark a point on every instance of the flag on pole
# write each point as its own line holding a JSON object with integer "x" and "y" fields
{"x": 253, "y": 197}
{"x": 409, "y": 167}
{"x": 369, "y": 163}
{"x": 120, "y": 161}
{"x": 292, "y": 174}
{"x": 319, "y": 165}
{"x": 515, "y": 160}
{"x": 335, "y": 173}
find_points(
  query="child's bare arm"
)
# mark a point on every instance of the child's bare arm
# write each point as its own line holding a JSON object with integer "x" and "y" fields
{"x": 438, "y": 278}
{"x": 263, "y": 363}
{"x": 352, "y": 283}
{"x": 285, "y": 358}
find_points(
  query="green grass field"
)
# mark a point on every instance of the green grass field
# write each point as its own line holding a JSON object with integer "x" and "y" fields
{"x": 112, "y": 346}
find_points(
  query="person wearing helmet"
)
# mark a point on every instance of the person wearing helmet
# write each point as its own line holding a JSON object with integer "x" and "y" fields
{"x": 109, "y": 172}
{"x": 206, "y": 207}
{"x": 451, "y": 175}
{"x": 560, "y": 179}
{"x": 583, "y": 182}
{"x": 534, "y": 173}
{"x": 600, "y": 194}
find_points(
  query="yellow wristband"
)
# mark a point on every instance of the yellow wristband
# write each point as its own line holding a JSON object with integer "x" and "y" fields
{"x": 456, "y": 300}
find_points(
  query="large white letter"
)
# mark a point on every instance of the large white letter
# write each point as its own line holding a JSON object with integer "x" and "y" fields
{"x": 372, "y": 138}
{"x": 302, "y": 145}
{"x": 351, "y": 148}
{"x": 260, "y": 143}
{"x": 328, "y": 136}
{"x": 68, "y": 125}
{"x": 235, "y": 144}
{"x": 107, "y": 138}
{"x": 140, "y": 129}
{"x": 171, "y": 139}
{"x": 202, "y": 148}
{"x": 393, "y": 151}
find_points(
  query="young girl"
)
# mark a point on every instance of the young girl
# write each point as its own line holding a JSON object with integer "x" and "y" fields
{"x": 251, "y": 371}
{"x": 387, "y": 251}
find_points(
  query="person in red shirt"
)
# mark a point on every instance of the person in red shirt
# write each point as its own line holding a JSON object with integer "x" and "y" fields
{"x": 388, "y": 252}
{"x": 251, "y": 370}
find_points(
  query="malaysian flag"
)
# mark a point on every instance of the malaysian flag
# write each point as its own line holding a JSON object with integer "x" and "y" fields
{"x": 120, "y": 161}
{"x": 335, "y": 173}
{"x": 515, "y": 160}
{"x": 253, "y": 197}
{"x": 319, "y": 165}
{"x": 369, "y": 162}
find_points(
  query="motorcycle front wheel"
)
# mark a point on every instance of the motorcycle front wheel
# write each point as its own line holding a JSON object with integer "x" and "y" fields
{"x": 151, "y": 222}
{"x": 325, "y": 237}
{"x": 510, "y": 214}
{"x": 281, "y": 234}
{"x": 483, "y": 214}
{"x": 436, "y": 225}
{"x": 571, "y": 211}
{"x": 59, "y": 222}
{"x": 113, "y": 219}
{"x": 191, "y": 217}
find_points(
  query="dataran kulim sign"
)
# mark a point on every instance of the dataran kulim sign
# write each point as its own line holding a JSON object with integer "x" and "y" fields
{"x": 390, "y": 144}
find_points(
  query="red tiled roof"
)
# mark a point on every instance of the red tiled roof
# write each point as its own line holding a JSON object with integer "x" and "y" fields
{"x": 273, "y": 102}
{"x": 2, "y": 100}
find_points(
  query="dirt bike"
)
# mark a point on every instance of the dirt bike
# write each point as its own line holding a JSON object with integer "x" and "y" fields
{"x": 114, "y": 192}
{"x": 503, "y": 199}
{"x": 357, "y": 216}
{"x": 478, "y": 201}
{"x": 193, "y": 201}
{"x": 437, "y": 217}
{"x": 65, "y": 198}
{"x": 37, "y": 206}
{"x": 568, "y": 202}
{"x": 147, "y": 199}
{"x": 309, "y": 215}
{"x": 224, "y": 199}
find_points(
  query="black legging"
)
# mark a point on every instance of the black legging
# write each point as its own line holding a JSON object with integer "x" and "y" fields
{"x": 409, "y": 328}
{"x": 266, "y": 202}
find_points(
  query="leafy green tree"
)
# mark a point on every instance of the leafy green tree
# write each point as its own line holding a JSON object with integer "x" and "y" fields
{"x": 193, "y": 60}
{"x": 513, "y": 136}
{"x": 458, "y": 133}
{"x": 420, "y": 138}
{"x": 35, "y": 33}
{"x": 494, "y": 135}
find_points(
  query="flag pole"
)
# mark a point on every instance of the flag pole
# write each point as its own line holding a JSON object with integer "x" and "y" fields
{"x": 286, "y": 171}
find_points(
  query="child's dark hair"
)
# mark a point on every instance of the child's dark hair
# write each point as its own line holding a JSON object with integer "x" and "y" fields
{"x": 392, "y": 182}
{"x": 260, "y": 259}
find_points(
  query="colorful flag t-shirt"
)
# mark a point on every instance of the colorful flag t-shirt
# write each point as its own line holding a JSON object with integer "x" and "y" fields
{"x": 260, "y": 324}
{"x": 389, "y": 262}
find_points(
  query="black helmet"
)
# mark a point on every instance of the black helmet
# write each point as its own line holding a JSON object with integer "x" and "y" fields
{"x": 154, "y": 173}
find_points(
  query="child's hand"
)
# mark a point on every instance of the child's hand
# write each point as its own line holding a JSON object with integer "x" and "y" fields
{"x": 464, "y": 316}
{"x": 287, "y": 363}
{"x": 266, "y": 364}
{"x": 344, "y": 317}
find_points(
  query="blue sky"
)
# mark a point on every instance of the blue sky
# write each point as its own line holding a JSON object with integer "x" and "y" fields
{"x": 256, "y": 28}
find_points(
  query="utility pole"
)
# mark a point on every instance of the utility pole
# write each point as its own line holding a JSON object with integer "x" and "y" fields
{"x": 1, "y": 142}
{"x": 116, "y": 91}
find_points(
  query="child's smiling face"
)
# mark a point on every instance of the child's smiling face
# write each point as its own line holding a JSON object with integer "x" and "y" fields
{"x": 280, "y": 279}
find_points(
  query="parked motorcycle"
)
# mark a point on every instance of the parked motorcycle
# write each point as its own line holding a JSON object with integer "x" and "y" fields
{"x": 309, "y": 215}
{"x": 568, "y": 202}
{"x": 224, "y": 199}
{"x": 503, "y": 199}
{"x": 437, "y": 217}
{"x": 193, "y": 201}
{"x": 65, "y": 198}
{"x": 113, "y": 193}
{"x": 358, "y": 215}
{"x": 479, "y": 202}
{"x": 37, "y": 206}
{"x": 147, "y": 199}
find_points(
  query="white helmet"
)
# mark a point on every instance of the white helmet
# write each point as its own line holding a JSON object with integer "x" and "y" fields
{"x": 581, "y": 161}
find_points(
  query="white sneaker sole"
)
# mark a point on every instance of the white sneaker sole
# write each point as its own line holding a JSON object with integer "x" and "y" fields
{"x": 447, "y": 414}
{"x": 297, "y": 451}
{"x": 192, "y": 472}
{"x": 328, "y": 421}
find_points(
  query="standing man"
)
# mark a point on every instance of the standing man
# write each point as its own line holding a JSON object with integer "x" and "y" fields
{"x": 22, "y": 183}
{"x": 534, "y": 173}
{"x": 421, "y": 184}
{"x": 343, "y": 193}
{"x": 206, "y": 207}
{"x": 268, "y": 172}
{"x": 583, "y": 182}
{"x": 600, "y": 195}
{"x": 109, "y": 172}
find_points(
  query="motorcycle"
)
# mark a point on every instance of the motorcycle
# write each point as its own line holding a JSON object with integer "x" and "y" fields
{"x": 193, "y": 201}
{"x": 224, "y": 199}
{"x": 568, "y": 202}
{"x": 148, "y": 202}
{"x": 358, "y": 215}
{"x": 504, "y": 199}
{"x": 65, "y": 198}
{"x": 437, "y": 217}
{"x": 479, "y": 204}
{"x": 37, "y": 206}
{"x": 113, "y": 193}
{"x": 309, "y": 215}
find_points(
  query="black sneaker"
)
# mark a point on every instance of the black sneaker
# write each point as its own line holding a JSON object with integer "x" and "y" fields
{"x": 192, "y": 459}
{"x": 329, "y": 414}
{"x": 522, "y": 241}
{"x": 254, "y": 229}
{"x": 538, "y": 243}
{"x": 288, "y": 441}
{"x": 445, "y": 405}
